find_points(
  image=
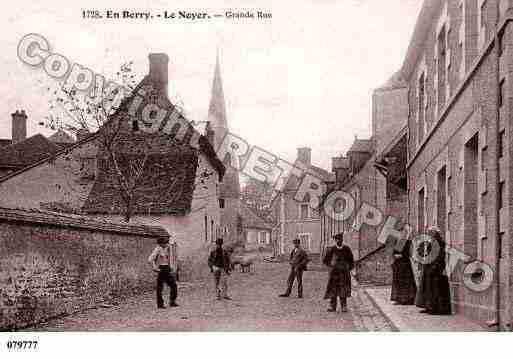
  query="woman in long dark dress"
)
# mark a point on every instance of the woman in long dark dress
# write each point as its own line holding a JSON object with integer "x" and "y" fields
{"x": 403, "y": 280}
{"x": 433, "y": 293}
{"x": 339, "y": 259}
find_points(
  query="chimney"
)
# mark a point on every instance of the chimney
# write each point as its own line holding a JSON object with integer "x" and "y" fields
{"x": 304, "y": 154}
{"x": 340, "y": 166}
{"x": 158, "y": 70}
{"x": 19, "y": 126}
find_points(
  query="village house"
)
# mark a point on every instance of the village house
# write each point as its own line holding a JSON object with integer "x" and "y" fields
{"x": 20, "y": 151}
{"x": 297, "y": 219}
{"x": 256, "y": 231}
{"x": 458, "y": 69}
{"x": 373, "y": 172}
{"x": 178, "y": 190}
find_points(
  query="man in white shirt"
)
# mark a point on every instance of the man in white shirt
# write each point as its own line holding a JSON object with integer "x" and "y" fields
{"x": 162, "y": 262}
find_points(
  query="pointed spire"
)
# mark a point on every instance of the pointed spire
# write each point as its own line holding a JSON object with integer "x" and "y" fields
{"x": 217, "y": 107}
{"x": 230, "y": 188}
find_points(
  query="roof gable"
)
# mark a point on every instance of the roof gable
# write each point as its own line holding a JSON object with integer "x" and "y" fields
{"x": 28, "y": 151}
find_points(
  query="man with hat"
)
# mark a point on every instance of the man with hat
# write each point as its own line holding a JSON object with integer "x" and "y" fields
{"x": 162, "y": 262}
{"x": 298, "y": 261}
{"x": 219, "y": 263}
{"x": 339, "y": 259}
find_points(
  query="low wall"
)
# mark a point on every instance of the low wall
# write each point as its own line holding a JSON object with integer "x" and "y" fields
{"x": 53, "y": 265}
{"x": 375, "y": 268}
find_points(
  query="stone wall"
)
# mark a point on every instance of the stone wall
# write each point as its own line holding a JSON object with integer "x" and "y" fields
{"x": 52, "y": 265}
{"x": 375, "y": 268}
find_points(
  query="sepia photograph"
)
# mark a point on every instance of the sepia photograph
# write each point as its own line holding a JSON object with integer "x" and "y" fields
{"x": 302, "y": 178}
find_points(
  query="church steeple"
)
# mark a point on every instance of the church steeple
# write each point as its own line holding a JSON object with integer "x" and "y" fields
{"x": 217, "y": 106}
{"x": 218, "y": 123}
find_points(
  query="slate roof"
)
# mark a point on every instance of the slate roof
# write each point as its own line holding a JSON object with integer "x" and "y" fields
{"x": 5, "y": 142}
{"x": 250, "y": 220}
{"x": 360, "y": 145}
{"x": 293, "y": 182}
{"x": 28, "y": 151}
{"x": 68, "y": 220}
{"x": 61, "y": 137}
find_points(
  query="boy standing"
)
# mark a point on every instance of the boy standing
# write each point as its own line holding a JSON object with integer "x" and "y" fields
{"x": 219, "y": 263}
{"x": 163, "y": 264}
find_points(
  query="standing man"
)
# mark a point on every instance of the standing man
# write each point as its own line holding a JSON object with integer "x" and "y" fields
{"x": 162, "y": 262}
{"x": 219, "y": 263}
{"x": 339, "y": 259}
{"x": 298, "y": 261}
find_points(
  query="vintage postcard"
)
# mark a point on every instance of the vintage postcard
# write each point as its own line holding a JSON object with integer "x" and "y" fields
{"x": 255, "y": 166}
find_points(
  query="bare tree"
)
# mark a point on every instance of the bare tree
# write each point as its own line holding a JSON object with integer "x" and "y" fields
{"x": 126, "y": 150}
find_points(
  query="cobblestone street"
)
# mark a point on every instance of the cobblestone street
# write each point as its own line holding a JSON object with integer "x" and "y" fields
{"x": 255, "y": 307}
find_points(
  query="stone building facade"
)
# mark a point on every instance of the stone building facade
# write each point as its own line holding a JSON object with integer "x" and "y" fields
{"x": 458, "y": 68}
{"x": 297, "y": 219}
{"x": 178, "y": 190}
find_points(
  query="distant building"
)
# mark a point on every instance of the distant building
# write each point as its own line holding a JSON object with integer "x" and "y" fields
{"x": 178, "y": 189}
{"x": 373, "y": 172}
{"x": 297, "y": 219}
{"x": 20, "y": 151}
{"x": 256, "y": 231}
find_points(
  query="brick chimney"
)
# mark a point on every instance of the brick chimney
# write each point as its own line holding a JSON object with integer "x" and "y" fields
{"x": 19, "y": 126}
{"x": 304, "y": 154}
{"x": 340, "y": 166}
{"x": 158, "y": 69}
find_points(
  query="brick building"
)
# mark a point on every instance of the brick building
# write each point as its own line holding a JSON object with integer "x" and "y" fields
{"x": 178, "y": 189}
{"x": 373, "y": 172}
{"x": 297, "y": 219}
{"x": 458, "y": 69}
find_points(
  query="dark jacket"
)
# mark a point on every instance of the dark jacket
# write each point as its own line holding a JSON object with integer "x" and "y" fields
{"x": 219, "y": 257}
{"x": 299, "y": 259}
{"x": 341, "y": 262}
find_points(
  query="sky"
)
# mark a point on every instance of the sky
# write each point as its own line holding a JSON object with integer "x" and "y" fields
{"x": 303, "y": 78}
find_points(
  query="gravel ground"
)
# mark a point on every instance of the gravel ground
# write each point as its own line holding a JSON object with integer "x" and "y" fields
{"x": 255, "y": 307}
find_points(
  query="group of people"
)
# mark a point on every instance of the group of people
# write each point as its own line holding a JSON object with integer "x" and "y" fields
{"x": 161, "y": 260}
{"x": 338, "y": 258}
{"x": 433, "y": 293}
{"x": 340, "y": 261}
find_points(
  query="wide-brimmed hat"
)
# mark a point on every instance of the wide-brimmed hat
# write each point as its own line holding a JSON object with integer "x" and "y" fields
{"x": 338, "y": 236}
{"x": 162, "y": 240}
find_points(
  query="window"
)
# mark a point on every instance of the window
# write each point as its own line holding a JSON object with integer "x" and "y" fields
{"x": 304, "y": 240}
{"x": 88, "y": 168}
{"x": 442, "y": 199}
{"x": 501, "y": 195}
{"x": 502, "y": 92}
{"x": 206, "y": 229}
{"x": 501, "y": 43}
{"x": 212, "y": 233}
{"x": 304, "y": 211}
{"x": 500, "y": 144}
{"x": 421, "y": 107}
{"x": 221, "y": 202}
{"x": 420, "y": 211}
